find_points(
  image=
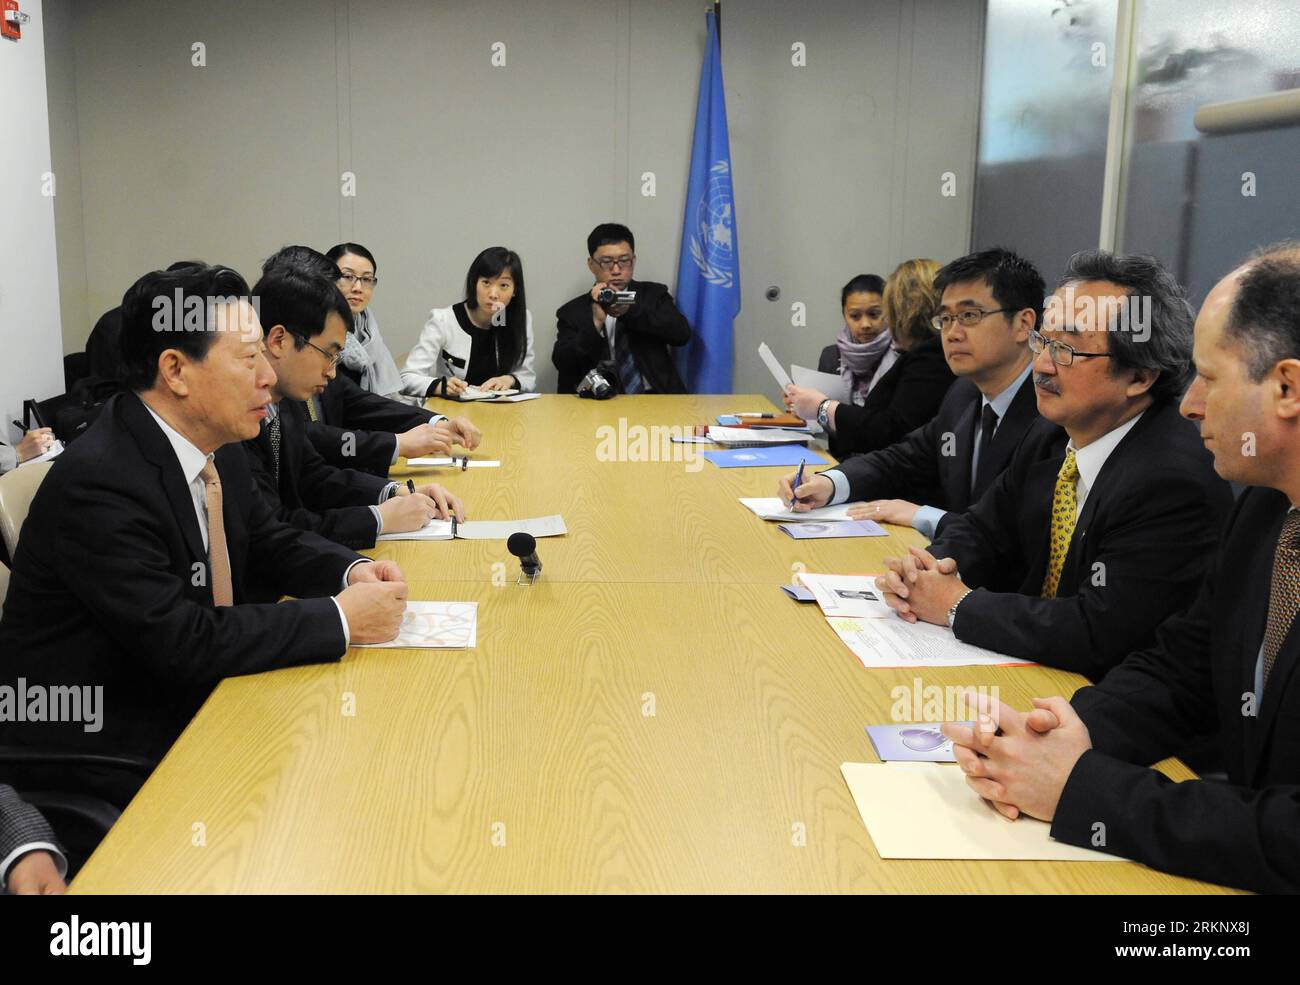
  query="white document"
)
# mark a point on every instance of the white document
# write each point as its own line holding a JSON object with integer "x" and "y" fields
{"x": 895, "y": 642}
{"x": 773, "y": 366}
{"x": 436, "y": 625}
{"x": 56, "y": 449}
{"x": 542, "y": 526}
{"x": 854, "y": 596}
{"x": 545, "y": 526}
{"x": 452, "y": 462}
{"x": 831, "y": 384}
{"x": 926, "y": 810}
{"x": 750, "y": 438}
{"x": 474, "y": 393}
{"x": 498, "y": 396}
{"x": 773, "y": 508}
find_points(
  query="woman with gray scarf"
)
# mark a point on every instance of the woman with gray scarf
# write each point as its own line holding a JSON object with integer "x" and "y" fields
{"x": 365, "y": 355}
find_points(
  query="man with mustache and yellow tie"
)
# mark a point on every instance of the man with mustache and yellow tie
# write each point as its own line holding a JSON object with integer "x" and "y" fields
{"x": 1108, "y": 538}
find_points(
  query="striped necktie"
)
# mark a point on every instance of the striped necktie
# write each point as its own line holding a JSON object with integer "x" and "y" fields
{"x": 1284, "y": 591}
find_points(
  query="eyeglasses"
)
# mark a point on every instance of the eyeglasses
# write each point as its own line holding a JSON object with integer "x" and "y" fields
{"x": 967, "y": 317}
{"x": 1062, "y": 354}
{"x": 609, "y": 263}
{"x": 365, "y": 281}
{"x": 332, "y": 357}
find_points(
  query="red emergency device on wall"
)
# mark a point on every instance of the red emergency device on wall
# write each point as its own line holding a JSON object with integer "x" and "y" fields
{"x": 11, "y": 29}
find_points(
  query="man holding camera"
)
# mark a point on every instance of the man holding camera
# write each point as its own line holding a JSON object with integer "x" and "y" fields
{"x": 626, "y": 324}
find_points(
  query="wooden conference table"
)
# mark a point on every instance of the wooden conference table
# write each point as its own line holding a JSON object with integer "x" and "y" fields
{"x": 653, "y": 715}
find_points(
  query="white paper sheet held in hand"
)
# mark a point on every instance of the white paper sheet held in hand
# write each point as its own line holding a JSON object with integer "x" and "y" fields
{"x": 774, "y": 366}
{"x": 772, "y": 508}
{"x": 436, "y": 625}
{"x": 894, "y": 642}
{"x": 926, "y": 810}
{"x": 542, "y": 526}
{"x": 831, "y": 384}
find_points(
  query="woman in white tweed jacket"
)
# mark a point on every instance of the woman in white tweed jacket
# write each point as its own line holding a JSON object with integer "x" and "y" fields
{"x": 484, "y": 341}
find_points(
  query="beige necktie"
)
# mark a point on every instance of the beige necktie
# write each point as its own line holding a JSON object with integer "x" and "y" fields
{"x": 223, "y": 592}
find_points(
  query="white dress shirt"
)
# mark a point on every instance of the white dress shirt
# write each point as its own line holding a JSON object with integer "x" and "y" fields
{"x": 1092, "y": 456}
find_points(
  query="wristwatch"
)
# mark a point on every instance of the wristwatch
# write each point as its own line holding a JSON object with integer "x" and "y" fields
{"x": 822, "y": 419}
{"x": 952, "y": 613}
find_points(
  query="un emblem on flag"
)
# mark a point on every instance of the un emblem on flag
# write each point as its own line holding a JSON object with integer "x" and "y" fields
{"x": 713, "y": 242}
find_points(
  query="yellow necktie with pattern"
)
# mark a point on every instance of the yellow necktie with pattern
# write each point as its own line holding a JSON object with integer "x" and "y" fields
{"x": 311, "y": 408}
{"x": 1065, "y": 507}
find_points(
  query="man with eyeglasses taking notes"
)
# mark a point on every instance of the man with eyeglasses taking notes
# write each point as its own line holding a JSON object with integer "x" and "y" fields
{"x": 634, "y": 336}
{"x": 1113, "y": 534}
{"x": 989, "y": 303}
{"x": 306, "y": 320}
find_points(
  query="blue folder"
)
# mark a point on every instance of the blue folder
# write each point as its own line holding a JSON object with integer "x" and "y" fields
{"x": 749, "y": 458}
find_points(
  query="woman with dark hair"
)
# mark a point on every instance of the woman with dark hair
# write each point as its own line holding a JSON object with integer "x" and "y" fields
{"x": 859, "y": 349}
{"x": 892, "y": 389}
{"x": 366, "y": 358}
{"x": 485, "y": 341}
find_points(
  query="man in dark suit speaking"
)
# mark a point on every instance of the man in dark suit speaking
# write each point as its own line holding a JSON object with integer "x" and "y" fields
{"x": 1104, "y": 540}
{"x": 132, "y": 567}
{"x": 1229, "y": 666}
{"x": 636, "y": 337}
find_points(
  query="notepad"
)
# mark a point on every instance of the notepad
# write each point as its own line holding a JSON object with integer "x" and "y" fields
{"x": 542, "y": 526}
{"x": 773, "y": 508}
{"x": 926, "y": 810}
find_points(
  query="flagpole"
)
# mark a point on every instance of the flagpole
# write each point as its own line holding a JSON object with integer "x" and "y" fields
{"x": 717, "y": 19}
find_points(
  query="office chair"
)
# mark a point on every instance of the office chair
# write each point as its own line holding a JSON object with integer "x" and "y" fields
{"x": 17, "y": 490}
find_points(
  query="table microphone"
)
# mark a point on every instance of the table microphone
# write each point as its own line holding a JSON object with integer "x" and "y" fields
{"x": 524, "y": 546}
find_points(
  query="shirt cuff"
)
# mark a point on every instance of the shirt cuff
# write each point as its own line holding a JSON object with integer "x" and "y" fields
{"x": 60, "y": 862}
{"x": 841, "y": 483}
{"x": 347, "y": 631}
{"x": 438, "y": 418}
{"x": 388, "y": 492}
{"x": 926, "y": 521}
{"x": 396, "y": 444}
{"x": 379, "y": 522}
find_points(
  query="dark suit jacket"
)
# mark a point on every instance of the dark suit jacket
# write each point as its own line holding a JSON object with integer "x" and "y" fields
{"x": 902, "y": 400}
{"x": 653, "y": 324}
{"x": 1140, "y": 548}
{"x": 1245, "y": 832}
{"x": 917, "y": 468}
{"x": 357, "y": 427}
{"x": 107, "y": 588}
{"x": 311, "y": 494}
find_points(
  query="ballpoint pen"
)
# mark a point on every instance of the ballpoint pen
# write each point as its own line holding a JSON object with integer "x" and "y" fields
{"x": 798, "y": 480}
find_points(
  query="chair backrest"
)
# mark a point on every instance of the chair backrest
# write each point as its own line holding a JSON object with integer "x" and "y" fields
{"x": 17, "y": 490}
